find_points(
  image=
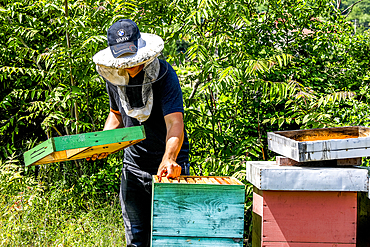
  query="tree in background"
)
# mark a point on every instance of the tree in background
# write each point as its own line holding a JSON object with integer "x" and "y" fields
{"x": 246, "y": 67}
{"x": 358, "y": 12}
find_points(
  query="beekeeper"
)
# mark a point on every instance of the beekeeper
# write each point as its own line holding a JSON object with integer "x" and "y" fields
{"x": 143, "y": 90}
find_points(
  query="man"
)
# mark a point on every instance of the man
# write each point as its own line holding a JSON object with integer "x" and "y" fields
{"x": 143, "y": 90}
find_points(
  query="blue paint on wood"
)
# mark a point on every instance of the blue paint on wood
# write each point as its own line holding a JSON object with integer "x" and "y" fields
{"x": 165, "y": 241}
{"x": 211, "y": 212}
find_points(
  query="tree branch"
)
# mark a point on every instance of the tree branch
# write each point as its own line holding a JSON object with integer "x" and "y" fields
{"x": 350, "y": 8}
{"x": 73, "y": 83}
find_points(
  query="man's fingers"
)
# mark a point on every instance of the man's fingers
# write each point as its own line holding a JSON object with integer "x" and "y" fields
{"x": 161, "y": 173}
{"x": 170, "y": 172}
{"x": 97, "y": 156}
{"x": 174, "y": 171}
{"x": 178, "y": 171}
{"x": 94, "y": 157}
{"x": 102, "y": 156}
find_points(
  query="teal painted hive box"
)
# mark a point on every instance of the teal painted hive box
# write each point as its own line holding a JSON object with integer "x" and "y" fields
{"x": 197, "y": 211}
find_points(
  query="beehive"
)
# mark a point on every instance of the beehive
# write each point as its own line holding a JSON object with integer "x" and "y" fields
{"x": 202, "y": 211}
{"x": 321, "y": 144}
{"x": 80, "y": 146}
{"x": 309, "y": 206}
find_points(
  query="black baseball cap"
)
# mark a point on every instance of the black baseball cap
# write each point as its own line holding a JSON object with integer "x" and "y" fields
{"x": 122, "y": 37}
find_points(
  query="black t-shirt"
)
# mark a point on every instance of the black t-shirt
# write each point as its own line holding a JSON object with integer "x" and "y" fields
{"x": 167, "y": 98}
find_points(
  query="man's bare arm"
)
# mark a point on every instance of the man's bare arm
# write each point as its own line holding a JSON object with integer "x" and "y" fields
{"x": 114, "y": 121}
{"x": 174, "y": 139}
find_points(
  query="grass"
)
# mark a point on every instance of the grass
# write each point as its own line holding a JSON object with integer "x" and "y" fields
{"x": 33, "y": 216}
{"x": 40, "y": 224}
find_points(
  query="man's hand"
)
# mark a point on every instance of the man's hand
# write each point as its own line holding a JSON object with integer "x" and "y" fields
{"x": 114, "y": 121}
{"x": 168, "y": 168}
{"x": 97, "y": 156}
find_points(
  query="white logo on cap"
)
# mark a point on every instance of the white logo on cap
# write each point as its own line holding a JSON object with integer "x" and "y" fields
{"x": 121, "y": 32}
{"x": 121, "y": 39}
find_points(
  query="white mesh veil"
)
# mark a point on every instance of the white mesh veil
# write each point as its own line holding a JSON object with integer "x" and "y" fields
{"x": 120, "y": 78}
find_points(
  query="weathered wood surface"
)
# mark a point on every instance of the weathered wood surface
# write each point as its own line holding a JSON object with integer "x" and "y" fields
{"x": 200, "y": 180}
{"x": 285, "y": 161}
{"x": 304, "y": 218}
{"x": 321, "y": 144}
{"x": 80, "y": 146}
{"x": 199, "y": 209}
{"x": 266, "y": 175}
{"x": 190, "y": 241}
{"x": 326, "y": 133}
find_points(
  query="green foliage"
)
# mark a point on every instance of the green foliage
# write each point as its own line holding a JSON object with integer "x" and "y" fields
{"x": 358, "y": 12}
{"x": 290, "y": 66}
{"x": 33, "y": 214}
{"x": 245, "y": 67}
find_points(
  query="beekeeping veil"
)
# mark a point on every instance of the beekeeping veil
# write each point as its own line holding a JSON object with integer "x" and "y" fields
{"x": 127, "y": 48}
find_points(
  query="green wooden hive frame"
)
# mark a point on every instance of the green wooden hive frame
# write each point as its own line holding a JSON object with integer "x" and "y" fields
{"x": 80, "y": 146}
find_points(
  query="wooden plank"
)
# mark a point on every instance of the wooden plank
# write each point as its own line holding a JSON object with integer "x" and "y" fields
{"x": 99, "y": 138}
{"x": 257, "y": 206}
{"x": 45, "y": 160}
{"x": 53, "y": 157}
{"x": 257, "y": 218}
{"x": 40, "y": 151}
{"x": 166, "y": 241}
{"x": 198, "y": 210}
{"x": 82, "y": 153}
{"x": 334, "y": 154}
{"x": 311, "y": 217}
{"x": 213, "y": 180}
{"x": 85, "y": 145}
{"x": 220, "y": 180}
{"x": 352, "y": 143}
{"x": 322, "y": 133}
{"x": 267, "y": 176}
{"x": 199, "y": 181}
{"x": 226, "y": 180}
{"x": 349, "y": 162}
{"x": 285, "y": 161}
{"x": 231, "y": 180}
{"x": 283, "y": 145}
{"x": 256, "y": 230}
{"x": 73, "y": 152}
{"x": 236, "y": 181}
{"x": 321, "y": 144}
{"x": 363, "y": 131}
{"x": 107, "y": 148}
{"x": 165, "y": 180}
{"x": 205, "y": 180}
